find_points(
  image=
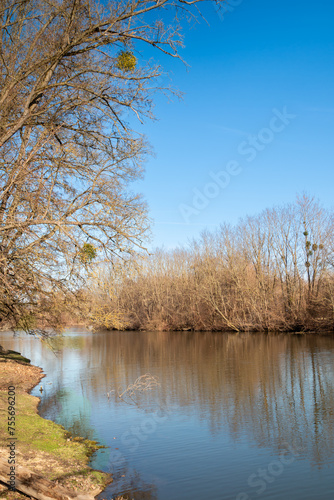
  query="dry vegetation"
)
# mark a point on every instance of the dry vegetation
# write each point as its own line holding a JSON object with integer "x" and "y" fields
{"x": 69, "y": 80}
{"x": 270, "y": 272}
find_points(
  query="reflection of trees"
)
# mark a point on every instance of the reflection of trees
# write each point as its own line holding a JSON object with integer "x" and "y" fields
{"x": 277, "y": 389}
{"x": 134, "y": 487}
{"x": 51, "y": 402}
{"x": 291, "y": 397}
{"x": 60, "y": 342}
{"x": 138, "y": 489}
{"x": 70, "y": 409}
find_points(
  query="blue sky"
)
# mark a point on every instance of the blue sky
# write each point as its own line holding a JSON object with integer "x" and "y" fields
{"x": 259, "y": 61}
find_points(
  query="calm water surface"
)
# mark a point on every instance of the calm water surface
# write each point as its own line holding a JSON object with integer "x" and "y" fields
{"x": 235, "y": 417}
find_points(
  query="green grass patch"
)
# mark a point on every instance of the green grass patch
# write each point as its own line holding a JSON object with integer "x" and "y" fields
{"x": 15, "y": 356}
{"x": 45, "y": 441}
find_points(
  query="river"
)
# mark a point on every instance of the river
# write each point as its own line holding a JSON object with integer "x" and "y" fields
{"x": 227, "y": 417}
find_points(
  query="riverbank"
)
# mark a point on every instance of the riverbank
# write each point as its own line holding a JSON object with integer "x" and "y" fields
{"x": 42, "y": 446}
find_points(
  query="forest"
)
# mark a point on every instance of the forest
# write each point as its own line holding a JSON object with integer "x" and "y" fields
{"x": 273, "y": 271}
{"x": 74, "y": 241}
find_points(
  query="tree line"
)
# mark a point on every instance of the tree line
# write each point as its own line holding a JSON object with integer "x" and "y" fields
{"x": 72, "y": 72}
{"x": 269, "y": 272}
{"x": 73, "y": 235}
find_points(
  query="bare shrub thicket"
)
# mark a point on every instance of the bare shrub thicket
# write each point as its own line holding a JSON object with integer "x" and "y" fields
{"x": 273, "y": 271}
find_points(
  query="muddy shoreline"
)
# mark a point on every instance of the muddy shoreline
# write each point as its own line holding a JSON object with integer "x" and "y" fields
{"x": 43, "y": 446}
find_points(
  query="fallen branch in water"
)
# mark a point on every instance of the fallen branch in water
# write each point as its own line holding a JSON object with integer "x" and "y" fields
{"x": 142, "y": 384}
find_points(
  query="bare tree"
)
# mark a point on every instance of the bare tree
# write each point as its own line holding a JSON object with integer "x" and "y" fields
{"x": 70, "y": 76}
{"x": 249, "y": 277}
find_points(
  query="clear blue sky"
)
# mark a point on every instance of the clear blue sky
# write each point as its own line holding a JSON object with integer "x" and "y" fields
{"x": 245, "y": 69}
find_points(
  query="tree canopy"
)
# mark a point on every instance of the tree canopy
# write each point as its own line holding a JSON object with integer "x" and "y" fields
{"x": 70, "y": 75}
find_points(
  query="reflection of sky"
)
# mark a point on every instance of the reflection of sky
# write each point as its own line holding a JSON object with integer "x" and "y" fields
{"x": 231, "y": 407}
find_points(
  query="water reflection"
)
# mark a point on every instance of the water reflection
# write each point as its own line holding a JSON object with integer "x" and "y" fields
{"x": 278, "y": 387}
{"x": 267, "y": 389}
{"x": 134, "y": 487}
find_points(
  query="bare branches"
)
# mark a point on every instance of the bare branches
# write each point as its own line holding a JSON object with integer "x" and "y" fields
{"x": 67, "y": 153}
{"x": 142, "y": 384}
{"x": 271, "y": 272}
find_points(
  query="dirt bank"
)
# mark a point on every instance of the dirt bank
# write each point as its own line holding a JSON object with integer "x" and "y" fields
{"x": 42, "y": 446}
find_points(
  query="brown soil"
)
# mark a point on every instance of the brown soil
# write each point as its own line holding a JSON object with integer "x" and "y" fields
{"x": 65, "y": 462}
{"x": 24, "y": 377}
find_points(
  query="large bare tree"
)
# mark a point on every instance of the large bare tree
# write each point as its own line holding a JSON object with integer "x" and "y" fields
{"x": 70, "y": 76}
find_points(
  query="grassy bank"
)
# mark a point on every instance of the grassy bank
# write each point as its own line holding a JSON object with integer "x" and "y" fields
{"x": 43, "y": 446}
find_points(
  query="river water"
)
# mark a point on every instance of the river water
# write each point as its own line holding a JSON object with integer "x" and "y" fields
{"x": 228, "y": 417}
